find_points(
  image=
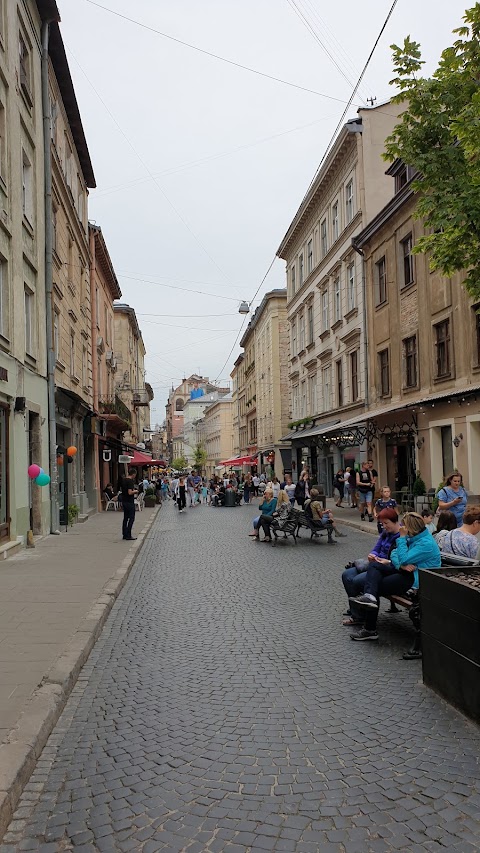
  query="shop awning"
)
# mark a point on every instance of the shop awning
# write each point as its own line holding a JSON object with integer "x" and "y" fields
{"x": 310, "y": 432}
{"x": 160, "y": 463}
{"x": 140, "y": 458}
{"x": 240, "y": 460}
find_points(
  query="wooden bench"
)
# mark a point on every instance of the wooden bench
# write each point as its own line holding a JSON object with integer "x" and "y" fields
{"x": 317, "y": 528}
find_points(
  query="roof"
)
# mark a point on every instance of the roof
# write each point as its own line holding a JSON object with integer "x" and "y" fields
{"x": 309, "y": 200}
{"x": 101, "y": 253}
{"x": 48, "y": 10}
{"x": 318, "y": 429}
{"x": 60, "y": 66}
{"x": 123, "y": 308}
{"x": 279, "y": 293}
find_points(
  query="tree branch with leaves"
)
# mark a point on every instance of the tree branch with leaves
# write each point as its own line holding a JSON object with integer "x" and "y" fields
{"x": 439, "y": 136}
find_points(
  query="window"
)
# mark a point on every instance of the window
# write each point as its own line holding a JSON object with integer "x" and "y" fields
{"x": 4, "y": 299}
{"x": 354, "y": 375}
{"x": 384, "y": 370}
{"x": 349, "y": 202}
{"x": 326, "y": 403}
{"x": 442, "y": 346}
{"x": 325, "y": 311}
{"x": 53, "y": 120}
{"x": 337, "y": 298}
{"x": 294, "y": 336}
{"x": 292, "y": 279}
{"x": 312, "y": 392}
{"x": 310, "y": 324}
{"x": 68, "y": 162}
{"x": 407, "y": 260}
{"x": 323, "y": 238}
{"x": 335, "y": 222}
{"x": 300, "y": 269}
{"x": 476, "y": 318}
{"x": 105, "y": 320}
{"x": 85, "y": 368}
{"x": 97, "y": 308}
{"x": 56, "y": 335}
{"x": 351, "y": 295}
{"x": 72, "y": 353}
{"x": 380, "y": 281}
{"x": 410, "y": 359}
{"x": 303, "y": 399}
{"x": 25, "y": 70}
{"x": 27, "y": 188}
{"x": 401, "y": 178}
{"x": 339, "y": 377}
{"x": 29, "y": 321}
{"x": 301, "y": 332}
{"x": 3, "y": 142}
{"x": 295, "y": 402}
{"x": 309, "y": 257}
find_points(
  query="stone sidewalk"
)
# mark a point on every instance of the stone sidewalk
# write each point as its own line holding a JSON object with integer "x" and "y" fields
{"x": 54, "y": 600}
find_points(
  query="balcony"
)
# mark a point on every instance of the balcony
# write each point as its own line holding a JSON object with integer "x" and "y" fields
{"x": 114, "y": 409}
{"x": 140, "y": 397}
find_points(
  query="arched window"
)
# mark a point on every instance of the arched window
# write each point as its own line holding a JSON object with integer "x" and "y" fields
{"x": 179, "y": 405}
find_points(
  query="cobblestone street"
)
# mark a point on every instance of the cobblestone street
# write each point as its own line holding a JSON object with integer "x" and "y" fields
{"x": 225, "y": 708}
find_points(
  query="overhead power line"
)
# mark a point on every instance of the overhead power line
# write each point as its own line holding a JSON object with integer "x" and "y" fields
{"x": 215, "y": 55}
{"x": 177, "y": 287}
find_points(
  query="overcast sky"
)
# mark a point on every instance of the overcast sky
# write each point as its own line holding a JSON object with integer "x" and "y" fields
{"x": 200, "y": 165}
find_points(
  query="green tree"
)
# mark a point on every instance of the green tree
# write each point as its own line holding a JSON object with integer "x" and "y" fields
{"x": 439, "y": 136}
{"x": 179, "y": 463}
{"x": 200, "y": 456}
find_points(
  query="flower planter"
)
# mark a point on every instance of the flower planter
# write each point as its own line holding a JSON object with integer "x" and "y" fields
{"x": 450, "y": 605}
{"x": 149, "y": 501}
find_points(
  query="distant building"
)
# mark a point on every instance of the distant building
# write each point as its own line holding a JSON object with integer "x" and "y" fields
{"x": 218, "y": 433}
{"x": 130, "y": 385}
{"x": 176, "y": 401}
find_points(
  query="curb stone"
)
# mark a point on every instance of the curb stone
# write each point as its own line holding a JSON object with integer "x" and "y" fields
{"x": 19, "y": 754}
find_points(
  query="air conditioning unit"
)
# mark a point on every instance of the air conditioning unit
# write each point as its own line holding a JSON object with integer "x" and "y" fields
{"x": 109, "y": 356}
{"x": 114, "y": 364}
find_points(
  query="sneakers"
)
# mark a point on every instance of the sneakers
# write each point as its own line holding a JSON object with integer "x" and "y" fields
{"x": 366, "y": 600}
{"x": 363, "y": 634}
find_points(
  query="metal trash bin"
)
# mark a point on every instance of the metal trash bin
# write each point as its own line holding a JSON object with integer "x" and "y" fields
{"x": 229, "y": 498}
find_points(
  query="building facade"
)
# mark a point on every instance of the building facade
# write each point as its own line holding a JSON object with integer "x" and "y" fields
{"x": 130, "y": 385}
{"x": 218, "y": 433}
{"x": 423, "y": 354}
{"x": 198, "y": 385}
{"x": 72, "y": 175}
{"x": 325, "y": 294}
{"x": 112, "y": 418}
{"x": 24, "y": 506}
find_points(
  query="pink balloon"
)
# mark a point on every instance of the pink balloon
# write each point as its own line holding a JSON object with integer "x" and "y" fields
{"x": 34, "y": 471}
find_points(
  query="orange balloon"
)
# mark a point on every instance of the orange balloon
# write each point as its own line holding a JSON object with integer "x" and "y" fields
{"x": 59, "y": 460}
{"x": 71, "y": 451}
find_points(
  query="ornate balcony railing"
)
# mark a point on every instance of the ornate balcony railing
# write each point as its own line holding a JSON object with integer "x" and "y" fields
{"x": 111, "y": 404}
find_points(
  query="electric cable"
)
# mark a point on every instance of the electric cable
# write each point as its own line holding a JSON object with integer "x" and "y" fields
{"x": 214, "y": 55}
{"x": 147, "y": 168}
{"x": 176, "y": 287}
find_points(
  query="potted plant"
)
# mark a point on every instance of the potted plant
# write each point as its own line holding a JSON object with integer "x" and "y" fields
{"x": 72, "y": 513}
{"x": 419, "y": 491}
{"x": 149, "y": 497}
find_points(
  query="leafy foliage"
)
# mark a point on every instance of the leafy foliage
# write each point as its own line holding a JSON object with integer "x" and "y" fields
{"x": 438, "y": 135}
{"x": 419, "y": 487}
{"x": 179, "y": 463}
{"x": 200, "y": 456}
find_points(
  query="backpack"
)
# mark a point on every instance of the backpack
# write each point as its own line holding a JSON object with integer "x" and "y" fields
{"x": 307, "y": 508}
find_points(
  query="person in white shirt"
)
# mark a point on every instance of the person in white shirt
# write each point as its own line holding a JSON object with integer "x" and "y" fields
{"x": 256, "y": 483}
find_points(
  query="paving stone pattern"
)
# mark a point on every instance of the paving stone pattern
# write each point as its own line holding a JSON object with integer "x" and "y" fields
{"x": 225, "y": 708}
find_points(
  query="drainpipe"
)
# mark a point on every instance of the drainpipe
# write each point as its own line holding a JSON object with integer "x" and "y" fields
{"x": 93, "y": 330}
{"x": 52, "y": 426}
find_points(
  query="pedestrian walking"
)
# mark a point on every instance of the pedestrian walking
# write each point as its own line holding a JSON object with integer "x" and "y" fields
{"x": 191, "y": 489}
{"x": 181, "y": 495}
{"x": 247, "y": 488}
{"x": 129, "y": 492}
{"x": 365, "y": 487}
{"x": 256, "y": 483}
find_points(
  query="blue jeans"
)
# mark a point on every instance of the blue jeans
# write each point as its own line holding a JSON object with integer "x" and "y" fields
{"x": 351, "y": 575}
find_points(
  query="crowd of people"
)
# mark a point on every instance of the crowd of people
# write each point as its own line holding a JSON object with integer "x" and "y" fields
{"x": 405, "y": 547}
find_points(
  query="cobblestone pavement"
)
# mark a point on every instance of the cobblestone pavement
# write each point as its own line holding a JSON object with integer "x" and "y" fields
{"x": 224, "y": 708}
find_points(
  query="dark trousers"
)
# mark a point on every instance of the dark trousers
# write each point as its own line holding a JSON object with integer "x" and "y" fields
{"x": 128, "y": 519}
{"x": 378, "y": 580}
{"x": 264, "y": 523}
{"x": 181, "y": 498}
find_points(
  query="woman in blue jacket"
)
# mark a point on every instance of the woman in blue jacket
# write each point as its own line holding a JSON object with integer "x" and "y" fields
{"x": 416, "y": 549}
{"x": 267, "y": 508}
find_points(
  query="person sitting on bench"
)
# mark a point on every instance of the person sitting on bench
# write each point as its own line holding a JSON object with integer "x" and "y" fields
{"x": 313, "y": 509}
{"x": 354, "y": 576}
{"x": 462, "y": 541}
{"x": 415, "y": 549}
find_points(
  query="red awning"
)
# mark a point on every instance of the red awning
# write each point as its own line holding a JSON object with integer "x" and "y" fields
{"x": 160, "y": 463}
{"x": 240, "y": 460}
{"x": 140, "y": 458}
